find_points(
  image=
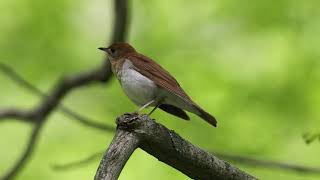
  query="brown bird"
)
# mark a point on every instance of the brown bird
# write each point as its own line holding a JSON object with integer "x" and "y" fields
{"x": 146, "y": 83}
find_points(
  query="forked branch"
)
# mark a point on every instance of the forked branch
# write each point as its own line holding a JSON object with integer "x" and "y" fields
{"x": 140, "y": 131}
{"x": 52, "y": 100}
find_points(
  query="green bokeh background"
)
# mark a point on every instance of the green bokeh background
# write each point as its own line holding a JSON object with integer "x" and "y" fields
{"x": 253, "y": 64}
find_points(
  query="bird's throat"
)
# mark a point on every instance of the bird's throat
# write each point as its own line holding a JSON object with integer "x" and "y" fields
{"x": 116, "y": 67}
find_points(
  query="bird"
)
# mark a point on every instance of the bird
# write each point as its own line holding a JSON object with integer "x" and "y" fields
{"x": 148, "y": 84}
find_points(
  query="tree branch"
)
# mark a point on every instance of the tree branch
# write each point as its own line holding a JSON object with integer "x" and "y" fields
{"x": 165, "y": 145}
{"x": 239, "y": 159}
{"x": 26, "y": 154}
{"x": 6, "y": 114}
{"x": 311, "y": 137}
{"x": 267, "y": 164}
{"x": 27, "y": 116}
{"x": 121, "y": 24}
{"x": 78, "y": 163}
{"x": 52, "y": 100}
{"x": 122, "y": 146}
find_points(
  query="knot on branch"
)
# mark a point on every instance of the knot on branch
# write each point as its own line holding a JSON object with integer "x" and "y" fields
{"x": 131, "y": 121}
{"x": 134, "y": 130}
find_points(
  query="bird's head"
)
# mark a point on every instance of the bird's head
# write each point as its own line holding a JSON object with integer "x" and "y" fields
{"x": 118, "y": 50}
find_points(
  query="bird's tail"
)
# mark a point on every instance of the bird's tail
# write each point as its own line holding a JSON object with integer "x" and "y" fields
{"x": 206, "y": 116}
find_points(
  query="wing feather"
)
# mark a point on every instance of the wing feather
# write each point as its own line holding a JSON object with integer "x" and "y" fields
{"x": 163, "y": 79}
{"x": 159, "y": 75}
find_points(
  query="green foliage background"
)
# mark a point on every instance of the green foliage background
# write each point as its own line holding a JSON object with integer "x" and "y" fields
{"x": 253, "y": 64}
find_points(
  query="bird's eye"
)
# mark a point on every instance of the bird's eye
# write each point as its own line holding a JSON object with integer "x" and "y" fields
{"x": 112, "y": 50}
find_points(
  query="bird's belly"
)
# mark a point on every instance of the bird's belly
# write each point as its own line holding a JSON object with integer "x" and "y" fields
{"x": 137, "y": 87}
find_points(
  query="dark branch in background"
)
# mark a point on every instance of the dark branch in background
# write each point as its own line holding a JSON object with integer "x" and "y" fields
{"x": 140, "y": 131}
{"x": 79, "y": 163}
{"x": 22, "y": 115}
{"x": 27, "y": 153}
{"x": 52, "y": 100}
{"x": 238, "y": 159}
{"x": 267, "y": 164}
{"x": 121, "y": 26}
{"x": 39, "y": 114}
{"x": 28, "y": 116}
{"x": 310, "y": 137}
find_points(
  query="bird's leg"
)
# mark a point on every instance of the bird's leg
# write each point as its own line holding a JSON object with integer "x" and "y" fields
{"x": 158, "y": 104}
{"x": 154, "y": 109}
{"x": 144, "y": 106}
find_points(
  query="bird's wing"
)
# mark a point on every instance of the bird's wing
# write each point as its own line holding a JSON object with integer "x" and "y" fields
{"x": 162, "y": 78}
{"x": 157, "y": 74}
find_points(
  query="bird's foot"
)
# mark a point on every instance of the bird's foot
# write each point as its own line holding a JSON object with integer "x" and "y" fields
{"x": 127, "y": 119}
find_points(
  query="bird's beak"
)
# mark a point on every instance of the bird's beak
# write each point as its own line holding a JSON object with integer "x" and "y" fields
{"x": 103, "y": 49}
{"x": 107, "y": 50}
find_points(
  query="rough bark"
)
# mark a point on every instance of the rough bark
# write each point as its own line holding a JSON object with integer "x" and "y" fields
{"x": 166, "y": 146}
{"x": 122, "y": 146}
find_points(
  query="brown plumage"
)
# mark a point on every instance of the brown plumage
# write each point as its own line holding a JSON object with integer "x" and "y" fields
{"x": 120, "y": 52}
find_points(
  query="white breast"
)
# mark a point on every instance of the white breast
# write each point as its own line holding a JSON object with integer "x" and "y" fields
{"x": 137, "y": 87}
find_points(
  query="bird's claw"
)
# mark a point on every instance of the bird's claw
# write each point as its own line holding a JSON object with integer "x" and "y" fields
{"x": 127, "y": 119}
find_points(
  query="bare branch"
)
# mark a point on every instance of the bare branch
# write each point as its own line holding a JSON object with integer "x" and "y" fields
{"x": 85, "y": 120}
{"x": 311, "y": 137}
{"x": 26, "y": 155}
{"x": 21, "y": 115}
{"x": 100, "y": 74}
{"x": 165, "y": 145}
{"x": 15, "y": 77}
{"x": 267, "y": 164}
{"x": 27, "y": 116}
{"x": 66, "y": 85}
{"x": 238, "y": 159}
{"x": 122, "y": 146}
{"x": 52, "y": 100}
{"x": 121, "y": 22}
{"x": 79, "y": 163}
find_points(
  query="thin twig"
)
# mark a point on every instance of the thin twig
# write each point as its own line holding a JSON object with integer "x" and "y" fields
{"x": 26, "y": 155}
{"x": 267, "y": 164}
{"x": 22, "y": 115}
{"x": 14, "y": 76}
{"x": 52, "y": 100}
{"x": 85, "y": 120}
{"x": 311, "y": 137}
{"x": 28, "y": 117}
{"x": 239, "y": 159}
{"x": 76, "y": 164}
